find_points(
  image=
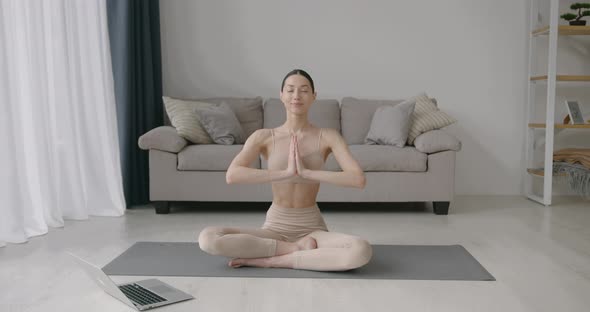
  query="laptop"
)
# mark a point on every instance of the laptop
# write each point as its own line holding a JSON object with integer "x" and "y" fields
{"x": 141, "y": 295}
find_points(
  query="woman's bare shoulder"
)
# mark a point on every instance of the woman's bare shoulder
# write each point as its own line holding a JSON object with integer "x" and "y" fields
{"x": 331, "y": 135}
{"x": 259, "y": 139}
{"x": 260, "y": 135}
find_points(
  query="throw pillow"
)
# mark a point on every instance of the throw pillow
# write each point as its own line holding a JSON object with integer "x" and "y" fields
{"x": 427, "y": 117}
{"x": 186, "y": 122}
{"x": 391, "y": 124}
{"x": 221, "y": 124}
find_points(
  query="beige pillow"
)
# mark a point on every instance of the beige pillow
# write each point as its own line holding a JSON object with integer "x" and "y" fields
{"x": 427, "y": 117}
{"x": 187, "y": 123}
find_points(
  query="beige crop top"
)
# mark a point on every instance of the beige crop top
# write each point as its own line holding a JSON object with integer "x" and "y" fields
{"x": 309, "y": 152}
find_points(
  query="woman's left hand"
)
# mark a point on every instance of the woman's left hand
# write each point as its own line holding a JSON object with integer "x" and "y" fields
{"x": 301, "y": 171}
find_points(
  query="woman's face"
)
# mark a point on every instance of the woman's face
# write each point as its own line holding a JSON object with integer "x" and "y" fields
{"x": 297, "y": 94}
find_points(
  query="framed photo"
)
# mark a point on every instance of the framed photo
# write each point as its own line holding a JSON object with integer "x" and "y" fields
{"x": 573, "y": 109}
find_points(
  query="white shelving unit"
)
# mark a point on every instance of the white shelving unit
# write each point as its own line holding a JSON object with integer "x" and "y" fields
{"x": 549, "y": 81}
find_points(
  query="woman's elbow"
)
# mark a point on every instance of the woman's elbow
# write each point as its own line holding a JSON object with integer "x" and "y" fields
{"x": 229, "y": 176}
{"x": 361, "y": 180}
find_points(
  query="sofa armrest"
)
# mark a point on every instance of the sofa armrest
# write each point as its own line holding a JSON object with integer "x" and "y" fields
{"x": 164, "y": 138}
{"x": 436, "y": 141}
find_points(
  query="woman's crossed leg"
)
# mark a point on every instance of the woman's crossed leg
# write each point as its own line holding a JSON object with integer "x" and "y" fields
{"x": 334, "y": 252}
{"x": 249, "y": 243}
{"x": 319, "y": 250}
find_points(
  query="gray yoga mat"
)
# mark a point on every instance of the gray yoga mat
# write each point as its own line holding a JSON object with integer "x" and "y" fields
{"x": 410, "y": 262}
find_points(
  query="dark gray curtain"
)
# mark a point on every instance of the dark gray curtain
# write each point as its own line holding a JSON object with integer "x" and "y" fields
{"x": 134, "y": 32}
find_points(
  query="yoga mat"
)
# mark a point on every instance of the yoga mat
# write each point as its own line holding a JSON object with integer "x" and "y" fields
{"x": 410, "y": 262}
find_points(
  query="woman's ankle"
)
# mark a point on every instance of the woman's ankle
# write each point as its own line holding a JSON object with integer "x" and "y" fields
{"x": 284, "y": 248}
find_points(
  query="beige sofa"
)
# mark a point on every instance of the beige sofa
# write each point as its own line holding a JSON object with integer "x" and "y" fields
{"x": 423, "y": 172}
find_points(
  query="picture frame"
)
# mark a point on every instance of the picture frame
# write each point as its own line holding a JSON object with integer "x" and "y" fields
{"x": 573, "y": 109}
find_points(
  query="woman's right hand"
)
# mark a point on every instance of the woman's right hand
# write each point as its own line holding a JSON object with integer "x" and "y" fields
{"x": 291, "y": 164}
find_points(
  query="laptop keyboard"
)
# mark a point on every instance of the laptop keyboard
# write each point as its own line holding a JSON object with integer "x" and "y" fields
{"x": 140, "y": 295}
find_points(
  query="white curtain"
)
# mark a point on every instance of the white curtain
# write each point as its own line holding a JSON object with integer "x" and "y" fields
{"x": 59, "y": 153}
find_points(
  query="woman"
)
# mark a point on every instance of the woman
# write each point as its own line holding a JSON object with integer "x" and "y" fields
{"x": 294, "y": 234}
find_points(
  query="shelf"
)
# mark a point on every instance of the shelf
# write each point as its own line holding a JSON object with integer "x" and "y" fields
{"x": 551, "y": 80}
{"x": 560, "y": 126}
{"x": 541, "y": 173}
{"x": 562, "y": 78}
{"x": 565, "y": 30}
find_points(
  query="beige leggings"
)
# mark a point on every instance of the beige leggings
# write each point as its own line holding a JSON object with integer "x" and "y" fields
{"x": 334, "y": 252}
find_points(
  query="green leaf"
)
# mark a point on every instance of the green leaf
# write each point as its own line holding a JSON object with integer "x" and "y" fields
{"x": 575, "y": 6}
{"x": 568, "y": 16}
{"x": 579, "y": 5}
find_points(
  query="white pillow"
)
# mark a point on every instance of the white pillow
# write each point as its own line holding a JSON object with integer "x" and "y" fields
{"x": 187, "y": 123}
{"x": 427, "y": 117}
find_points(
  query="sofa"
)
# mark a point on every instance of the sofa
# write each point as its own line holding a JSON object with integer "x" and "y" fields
{"x": 421, "y": 172}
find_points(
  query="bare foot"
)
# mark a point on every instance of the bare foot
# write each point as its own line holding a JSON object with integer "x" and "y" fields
{"x": 236, "y": 263}
{"x": 255, "y": 262}
{"x": 307, "y": 243}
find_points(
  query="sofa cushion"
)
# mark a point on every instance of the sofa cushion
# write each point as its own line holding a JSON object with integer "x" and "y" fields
{"x": 187, "y": 123}
{"x": 383, "y": 158}
{"x": 210, "y": 157}
{"x": 390, "y": 124}
{"x": 221, "y": 124}
{"x": 247, "y": 110}
{"x": 356, "y": 115}
{"x": 427, "y": 117}
{"x": 322, "y": 113}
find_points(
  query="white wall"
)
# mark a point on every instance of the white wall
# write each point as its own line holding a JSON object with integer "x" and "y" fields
{"x": 470, "y": 55}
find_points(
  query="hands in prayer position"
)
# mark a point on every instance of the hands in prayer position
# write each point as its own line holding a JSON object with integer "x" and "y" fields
{"x": 295, "y": 165}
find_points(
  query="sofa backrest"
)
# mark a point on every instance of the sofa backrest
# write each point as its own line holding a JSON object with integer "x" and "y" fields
{"x": 324, "y": 113}
{"x": 247, "y": 110}
{"x": 352, "y": 116}
{"x": 357, "y": 115}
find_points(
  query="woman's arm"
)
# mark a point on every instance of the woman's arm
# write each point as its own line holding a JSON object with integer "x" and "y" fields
{"x": 352, "y": 175}
{"x": 239, "y": 172}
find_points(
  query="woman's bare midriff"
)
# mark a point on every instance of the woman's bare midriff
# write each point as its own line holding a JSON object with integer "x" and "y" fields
{"x": 295, "y": 195}
{"x": 292, "y": 195}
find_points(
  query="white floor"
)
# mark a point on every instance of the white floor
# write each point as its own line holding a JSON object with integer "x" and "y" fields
{"x": 539, "y": 255}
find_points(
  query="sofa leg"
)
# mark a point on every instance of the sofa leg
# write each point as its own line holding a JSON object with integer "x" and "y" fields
{"x": 441, "y": 208}
{"x": 162, "y": 207}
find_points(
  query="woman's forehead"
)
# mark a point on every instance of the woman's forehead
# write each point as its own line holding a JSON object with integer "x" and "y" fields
{"x": 296, "y": 81}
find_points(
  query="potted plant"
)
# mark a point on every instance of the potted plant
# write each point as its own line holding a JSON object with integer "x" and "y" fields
{"x": 576, "y": 20}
